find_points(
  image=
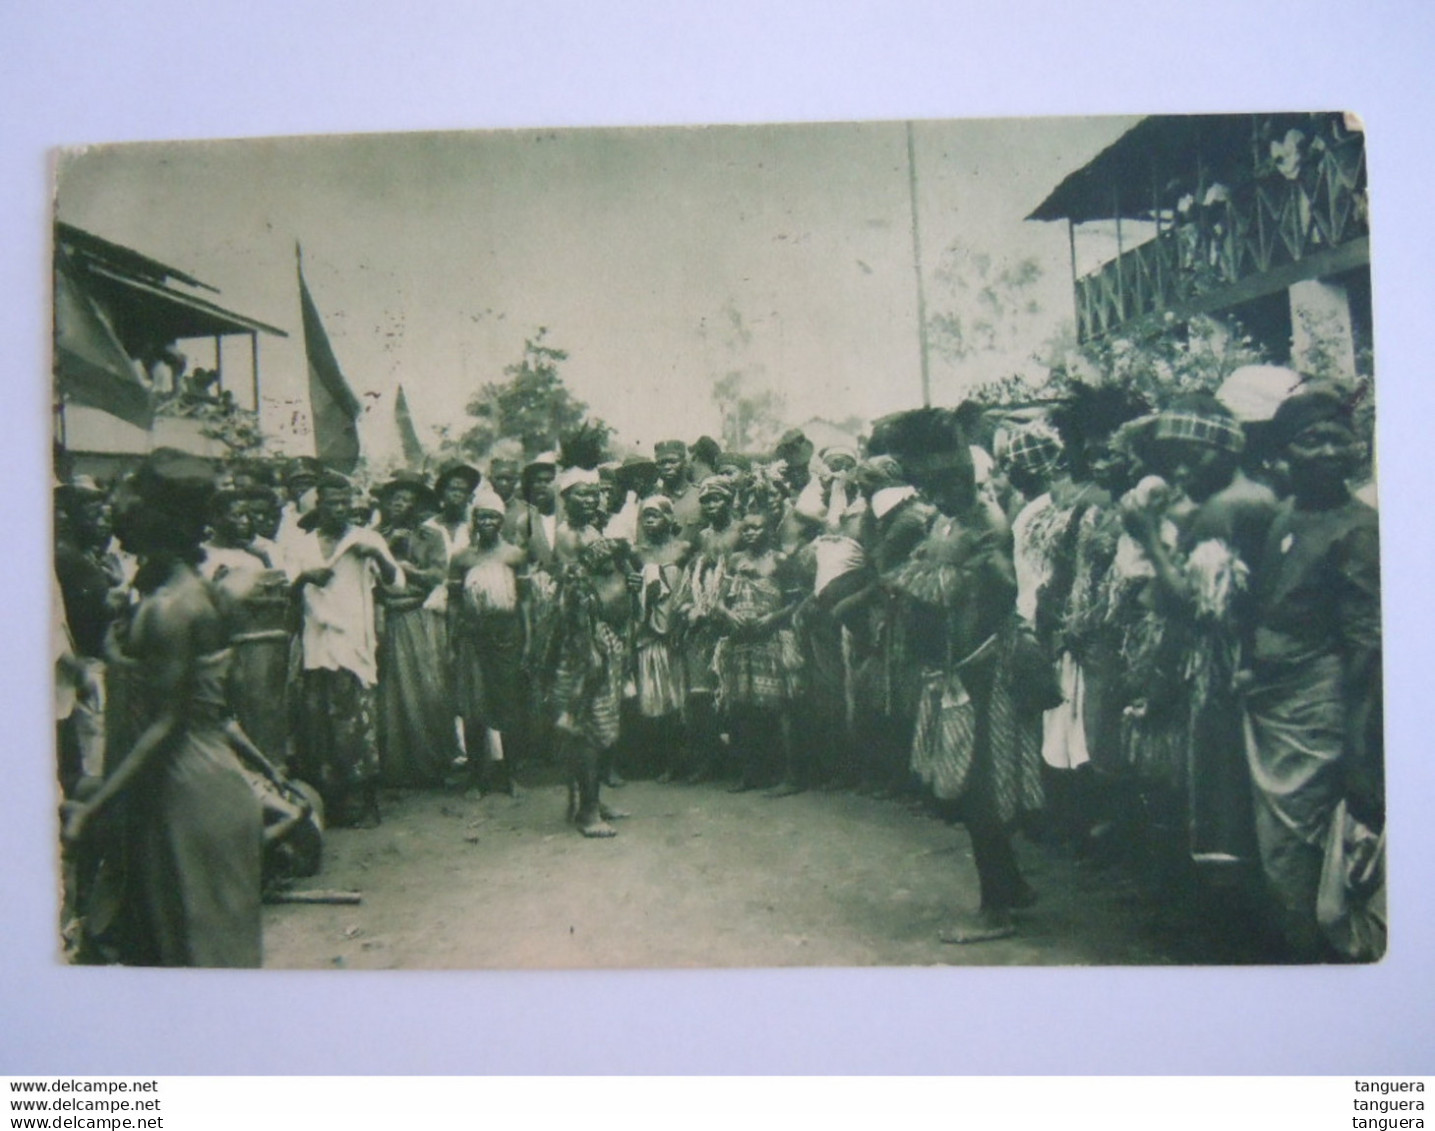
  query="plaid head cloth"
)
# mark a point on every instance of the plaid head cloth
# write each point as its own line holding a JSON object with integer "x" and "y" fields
{"x": 1217, "y": 431}
{"x": 1033, "y": 448}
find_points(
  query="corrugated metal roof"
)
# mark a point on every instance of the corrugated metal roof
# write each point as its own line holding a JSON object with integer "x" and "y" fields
{"x": 137, "y": 287}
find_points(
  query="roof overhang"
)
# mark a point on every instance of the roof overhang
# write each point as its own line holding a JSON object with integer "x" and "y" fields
{"x": 1135, "y": 174}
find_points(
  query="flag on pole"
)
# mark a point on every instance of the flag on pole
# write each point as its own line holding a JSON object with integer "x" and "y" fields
{"x": 332, "y": 404}
{"x": 91, "y": 366}
{"x": 413, "y": 450}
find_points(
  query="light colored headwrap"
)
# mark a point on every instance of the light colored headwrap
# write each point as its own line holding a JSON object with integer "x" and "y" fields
{"x": 716, "y": 485}
{"x": 657, "y": 503}
{"x": 840, "y": 450}
{"x": 571, "y": 477}
{"x": 488, "y": 499}
{"x": 1254, "y": 392}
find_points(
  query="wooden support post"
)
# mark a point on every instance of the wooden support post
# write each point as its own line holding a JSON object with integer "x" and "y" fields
{"x": 1120, "y": 252}
{"x": 254, "y": 366}
{"x": 917, "y": 267}
{"x": 1075, "y": 286}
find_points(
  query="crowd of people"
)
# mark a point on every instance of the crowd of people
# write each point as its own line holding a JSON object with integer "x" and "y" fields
{"x": 1104, "y": 622}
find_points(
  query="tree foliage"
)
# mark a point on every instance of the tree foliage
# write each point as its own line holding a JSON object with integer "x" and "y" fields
{"x": 751, "y": 416}
{"x": 532, "y": 406}
{"x": 1174, "y": 358}
{"x": 980, "y": 302}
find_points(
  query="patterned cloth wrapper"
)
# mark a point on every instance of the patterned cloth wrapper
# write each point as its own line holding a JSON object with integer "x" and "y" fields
{"x": 1216, "y": 431}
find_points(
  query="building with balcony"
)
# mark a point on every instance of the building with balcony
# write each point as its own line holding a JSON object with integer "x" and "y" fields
{"x": 140, "y": 358}
{"x": 1259, "y": 219}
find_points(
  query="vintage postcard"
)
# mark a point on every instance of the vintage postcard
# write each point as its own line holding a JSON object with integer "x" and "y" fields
{"x": 889, "y": 543}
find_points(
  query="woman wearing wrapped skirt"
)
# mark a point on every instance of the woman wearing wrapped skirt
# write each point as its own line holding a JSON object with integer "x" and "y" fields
{"x": 415, "y": 701}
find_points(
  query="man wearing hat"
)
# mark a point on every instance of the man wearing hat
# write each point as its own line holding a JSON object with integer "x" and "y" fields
{"x": 1314, "y": 688}
{"x": 301, "y": 480}
{"x": 635, "y": 479}
{"x": 531, "y": 520}
{"x": 453, "y": 489}
{"x": 415, "y": 705}
{"x": 339, "y": 566}
{"x": 671, "y": 456}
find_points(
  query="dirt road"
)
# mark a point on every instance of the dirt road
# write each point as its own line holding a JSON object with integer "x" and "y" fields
{"x": 697, "y": 878}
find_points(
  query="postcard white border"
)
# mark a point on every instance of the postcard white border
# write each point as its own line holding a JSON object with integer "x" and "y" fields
{"x": 175, "y": 69}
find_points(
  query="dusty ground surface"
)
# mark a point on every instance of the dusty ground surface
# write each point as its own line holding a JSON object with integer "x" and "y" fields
{"x": 698, "y": 877}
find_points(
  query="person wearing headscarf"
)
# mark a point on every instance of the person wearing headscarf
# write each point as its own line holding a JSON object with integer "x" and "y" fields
{"x": 340, "y": 566}
{"x": 414, "y": 692}
{"x": 1078, "y": 628}
{"x": 1313, "y": 693}
{"x": 659, "y": 742}
{"x": 1199, "y": 627}
{"x": 1032, "y": 459}
{"x": 580, "y": 491}
{"x": 831, "y": 499}
{"x": 1252, "y": 394}
{"x": 958, "y": 590}
{"x": 885, "y": 681}
{"x": 1035, "y": 465}
{"x": 185, "y": 829}
{"x": 835, "y": 561}
{"x": 1045, "y": 536}
{"x": 486, "y": 633}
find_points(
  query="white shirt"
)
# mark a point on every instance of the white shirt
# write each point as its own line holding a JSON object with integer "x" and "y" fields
{"x": 231, "y": 559}
{"x": 453, "y": 544}
{"x": 339, "y": 632}
{"x": 1031, "y": 567}
{"x": 888, "y": 497}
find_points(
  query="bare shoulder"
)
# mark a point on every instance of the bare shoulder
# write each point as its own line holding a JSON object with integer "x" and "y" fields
{"x": 180, "y": 615}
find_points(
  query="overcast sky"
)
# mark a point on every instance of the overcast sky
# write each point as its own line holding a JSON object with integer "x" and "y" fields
{"x": 661, "y": 259}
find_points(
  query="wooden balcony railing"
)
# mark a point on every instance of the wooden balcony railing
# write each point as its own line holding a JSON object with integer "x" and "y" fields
{"x": 1282, "y": 225}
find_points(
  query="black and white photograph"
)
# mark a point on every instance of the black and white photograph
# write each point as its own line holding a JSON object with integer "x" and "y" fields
{"x": 878, "y": 544}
